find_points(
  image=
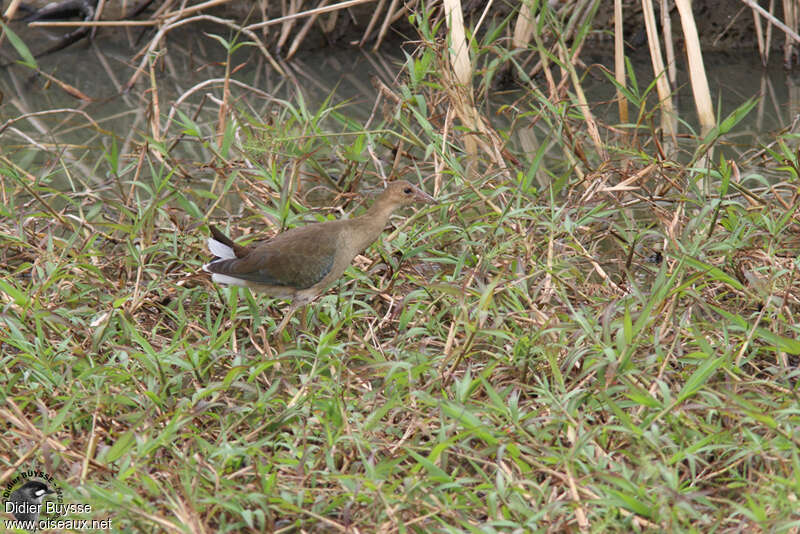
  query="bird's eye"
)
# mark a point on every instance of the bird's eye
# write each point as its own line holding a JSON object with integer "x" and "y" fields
{"x": 408, "y": 190}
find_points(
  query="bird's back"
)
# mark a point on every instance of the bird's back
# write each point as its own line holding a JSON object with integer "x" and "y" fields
{"x": 297, "y": 259}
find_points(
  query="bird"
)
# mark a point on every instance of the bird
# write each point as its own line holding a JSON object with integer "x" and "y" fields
{"x": 300, "y": 263}
{"x": 27, "y": 500}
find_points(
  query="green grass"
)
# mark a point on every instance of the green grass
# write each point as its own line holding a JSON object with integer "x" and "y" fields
{"x": 510, "y": 360}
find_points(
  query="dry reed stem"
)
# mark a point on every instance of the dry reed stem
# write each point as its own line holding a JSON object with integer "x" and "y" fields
{"x": 288, "y": 23}
{"x": 697, "y": 71}
{"x": 372, "y": 22}
{"x": 773, "y": 19}
{"x": 524, "y": 26}
{"x": 386, "y": 23}
{"x": 662, "y": 83}
{"x": 194, "y": 9}
{"x": 97, "y": 14}
{"x": 85, "y": 115}
{"x": 222, "y": 113}
{"x": 731, "y": 22}
{"x": 481, "y": 19}
{"x": 462, "y": 97}
{"x": 8, "y": 473}
{"x": 67, "y": 88}
{"x": 768, "y": 40}
{"x": 407, "y": 6}
{"x": 263, "y": 8}
{"x": 92, "y": 23}
{"x": 669, "y": 46}
{"x": 162, "y": 10}
{"x": 578, "y": 17}
{"x": 155, "y": 108}
{"x": 154, "y": 42}
{"x": 12, "y": 9}
{"x": 301, "y": 14}
{"x": 586, "y": 110}
{"x": 395, "y": 12}
{"x": 329, "y": 24}
{"x": 459, "y": 52}
{"x": 759, "y": 37}
{"x": 301, "y": 35}
{"x": 205, "y": 83}
{"x": 580, "y": 513}
{"x": 619, "y": 61}
{"x": 790, "y": 15}
{"x": 554, "y": 92}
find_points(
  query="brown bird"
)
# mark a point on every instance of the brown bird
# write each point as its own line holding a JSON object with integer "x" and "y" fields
{"x": 301, "y": 263}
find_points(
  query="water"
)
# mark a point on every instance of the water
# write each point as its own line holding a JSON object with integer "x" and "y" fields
{"x": 51, "y": 120}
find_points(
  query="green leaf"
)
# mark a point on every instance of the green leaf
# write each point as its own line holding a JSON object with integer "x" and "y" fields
{"x": 699, "y": 377}
{"x": 21, "y": 48}
{"x": 435, "y": 472}
{"x": 120, "y": 447}
{"x": 714, "y": 272}
{"x": 20, "y": 298}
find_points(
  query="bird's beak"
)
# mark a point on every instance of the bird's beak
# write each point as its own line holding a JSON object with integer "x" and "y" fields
{"x": 422, "y": 196}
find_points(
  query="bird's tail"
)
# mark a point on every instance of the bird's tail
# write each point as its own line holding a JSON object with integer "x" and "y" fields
{"x": 220, "y": 246}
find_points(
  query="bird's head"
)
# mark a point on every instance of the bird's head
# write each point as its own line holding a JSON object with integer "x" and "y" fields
{"x": 402, "y": 193}
{"x": 35, "y": 490}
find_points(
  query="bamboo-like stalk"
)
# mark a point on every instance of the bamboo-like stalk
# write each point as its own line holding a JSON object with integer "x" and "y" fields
{"x": 328, "y": 24}
{"x": 669, "y": 46}
{"x": 202, "y": 86}
{"x": 163, "y": 9}
{"x": 294, "y": 14}
{"x": 171, "y": 25}
{"x": 553, "y": 93}
{"x": 579, "y": 12}
{"x": 459, "y": 52}
{"x": 408, "y": 6}
{"x": 773, "y": 19}
{"x": 457, "y": 78}
{"x": 12, "y": 9}
{"x": 288, "y": 22}
{"x": 486, "y": 9}
{"x": 386, "y": 23}
{"x": 524, "y": 26}
{"x": 185, "y": 11}
{"x": 697, "y": 71}
{"x": 619, "y": 61}
{"x": 662, "y": 83}
{"x": 91, "y": 23}
{"x": 760, "y": 107}
{"x": 298, "y": 39}
{"x": 98, "y": 12}
{"x": 263, "y": 6}
{"x": 460, "y": 63}
{"x": 759, "y": 37}
{"x": 222, "y": 114}
{"x": 583, "y": 105}
{"x": 155, "y": 108}
{"x": 790, "y": 16}
{"x": 791, "y": 103}
{"x": 768, "y": 39}
{"x": 372, "y": 22}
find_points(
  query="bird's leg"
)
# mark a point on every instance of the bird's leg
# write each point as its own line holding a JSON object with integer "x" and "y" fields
{"x": 298, "y": 302}
{"x": 303, "y": 320}
{"x": 287, "y": 317}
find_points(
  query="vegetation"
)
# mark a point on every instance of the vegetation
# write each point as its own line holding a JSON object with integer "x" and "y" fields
{"x": 594, "y": 330}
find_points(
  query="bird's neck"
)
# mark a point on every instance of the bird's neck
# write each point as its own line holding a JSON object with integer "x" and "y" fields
{"x": 372, "y": 222}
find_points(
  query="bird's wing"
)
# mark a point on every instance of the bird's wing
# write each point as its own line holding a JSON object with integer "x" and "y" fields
{"x": 298, "y": 258}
